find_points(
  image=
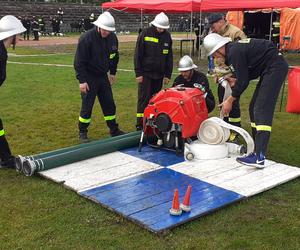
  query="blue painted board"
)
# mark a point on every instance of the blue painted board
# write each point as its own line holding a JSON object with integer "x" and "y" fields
{"x": 204, "y": 197}
{"x": 116, "y": 197}
{"x": 147, "y": 198}
{"x": 161, "y": 157}
{"x": 198, "y": 209}
{"x": 158, "y": 199}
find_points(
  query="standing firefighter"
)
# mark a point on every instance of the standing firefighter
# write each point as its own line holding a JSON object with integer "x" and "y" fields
{"x": 220, "y": 26}
{"x": 96, "y": 55}
{"x": 10, "y": 28}
{"x": 250, "y": 59}
{"x": 153, "y": 62}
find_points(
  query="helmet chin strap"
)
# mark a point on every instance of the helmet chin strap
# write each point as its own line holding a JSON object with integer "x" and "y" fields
{"x": 14, "y": 41}
{"x": 190, "y": 75}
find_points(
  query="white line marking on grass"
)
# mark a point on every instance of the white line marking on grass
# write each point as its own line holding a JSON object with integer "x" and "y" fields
{"x": 63, "y": 65}
{"x": 37, "y": 55}
{"x": 56, "y": 65}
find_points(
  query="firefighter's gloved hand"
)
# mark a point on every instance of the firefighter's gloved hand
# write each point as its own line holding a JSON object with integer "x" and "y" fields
{"x": 139, "y": 79}
{"x": 226, "y": 106}
{"x": 166, "y": 81}
{"x": 231, "y": 81}
{"x": 84, "y": 87}
{"x": 112, "y": 79}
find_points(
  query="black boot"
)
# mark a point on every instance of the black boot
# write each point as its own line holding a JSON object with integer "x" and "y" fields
{"x": 116, "y": 132}
{"x": 114, "y": 128}
{"x": 9, "y": 163}
{"x": 139, "y": 123}
{"x": 83, "y": 138}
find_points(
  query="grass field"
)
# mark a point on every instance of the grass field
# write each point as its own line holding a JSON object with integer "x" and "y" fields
{"x": 40, "y": 106}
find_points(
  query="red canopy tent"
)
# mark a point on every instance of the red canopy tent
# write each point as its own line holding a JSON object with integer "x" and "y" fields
{"x": 154, "y": 6}
{"x": 172, "y": 6}
{"x": 198, "y": 6}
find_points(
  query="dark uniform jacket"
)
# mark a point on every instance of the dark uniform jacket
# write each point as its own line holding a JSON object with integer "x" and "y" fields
{"x": 3, "y": 60}
{"x": 153, "y": 54}
{"x": 96, "y": 55}
{"x": 247, "y": 59}
{"x": 198, "y": 78}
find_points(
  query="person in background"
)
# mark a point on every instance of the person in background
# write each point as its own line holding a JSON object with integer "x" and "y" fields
{"x": 153, "y": 62}
{"x": 42, "y": 25}
{"x": 10, "y": 30}
{"x": 35, "y": 28}
{"x": 219, "y": 25}
{"x": 60, "y": 14}
{"x": 96, "y": 55}
{"x": 27, "y": 24}
{"x": 191, "y": 78}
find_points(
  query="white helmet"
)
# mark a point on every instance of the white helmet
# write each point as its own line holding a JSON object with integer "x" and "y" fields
{"x": 10, "y": 26}
{"x": 213, "y": 42}
{"x": 186, "y": 63}
{"x": 105, "y": 21}
{"x": 161, "y": 21}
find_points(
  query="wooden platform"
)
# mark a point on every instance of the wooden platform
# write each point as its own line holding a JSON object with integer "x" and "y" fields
{"x": 140, "y": 186}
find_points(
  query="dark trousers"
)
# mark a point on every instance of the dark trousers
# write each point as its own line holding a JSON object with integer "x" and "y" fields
{"x": 146, "y": 90}
{"x": 36, "y": 35}
{"x": 26, "y": 34}
{"x": 100, "y": 87}
{"x": 5, "y": 152}
{"x": 263, "y": 102}
{"x": 235, "y": 113}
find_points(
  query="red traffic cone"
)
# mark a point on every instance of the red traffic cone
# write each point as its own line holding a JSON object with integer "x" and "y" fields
{"x": 175, "y": 210}
{"x": 185, "y": 206}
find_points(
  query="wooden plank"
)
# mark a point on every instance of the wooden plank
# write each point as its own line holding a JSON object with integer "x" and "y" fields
{"x": 110, "y": 175}
{"x": 158, "y": 217}
{"x": 250, "y": 184}
{"x": 161, "y": 157}
{"x": 199, "y": 209}
{"x": 142, "y": 192}
{"x": 160, "y": 198}
{"x": 81, "y": 168}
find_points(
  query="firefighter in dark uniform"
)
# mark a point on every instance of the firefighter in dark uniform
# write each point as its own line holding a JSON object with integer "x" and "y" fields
{"x": 35, "y": 28}
{"x": 42, "y": 25}
{"x": 191, "y": 78}
{"x": 97, "y": 53}
{"x": 10, "y": 28}
{"x": 250, "y": 59}
{"x": 27, "y": 24}
{"x": 276, "y": 31}
{"x": 220, "y": 26}
{"x": 153, "y": 62}
{"x": 197, "y": 30}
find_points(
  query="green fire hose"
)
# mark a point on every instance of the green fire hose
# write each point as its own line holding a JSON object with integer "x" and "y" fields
{"x": 131, "y": 137}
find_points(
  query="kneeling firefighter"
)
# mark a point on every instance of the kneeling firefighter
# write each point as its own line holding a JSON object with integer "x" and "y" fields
{"x": 191, "y": 78}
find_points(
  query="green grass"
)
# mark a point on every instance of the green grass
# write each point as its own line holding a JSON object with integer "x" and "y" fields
{"x": 39, "y": 108}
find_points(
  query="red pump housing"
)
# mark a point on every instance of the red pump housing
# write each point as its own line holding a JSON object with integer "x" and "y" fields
{"x": 185, "y": 107}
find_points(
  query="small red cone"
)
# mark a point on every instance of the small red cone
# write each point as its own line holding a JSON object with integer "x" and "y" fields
{"x": 175, "y": 210}
{"x": 185, "y": 205}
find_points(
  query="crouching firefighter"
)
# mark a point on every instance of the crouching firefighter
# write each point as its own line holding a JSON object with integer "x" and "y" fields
{"x": 191, "y": 78}
{"x": 250, "y": 59}
{"x": 96, "y": 55}
{"x": 10, "y": 30}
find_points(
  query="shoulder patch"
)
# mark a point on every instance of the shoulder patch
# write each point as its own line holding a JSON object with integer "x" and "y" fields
{"x": 246, "y": 40}
{"x": 231, "y": 68}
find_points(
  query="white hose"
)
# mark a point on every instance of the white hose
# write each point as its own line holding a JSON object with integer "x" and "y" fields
{"x": 215, "y": 131}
